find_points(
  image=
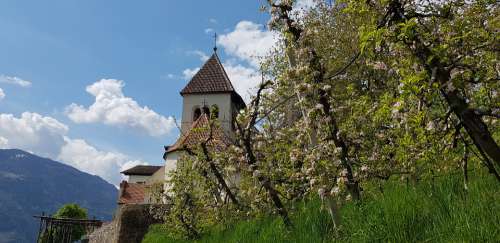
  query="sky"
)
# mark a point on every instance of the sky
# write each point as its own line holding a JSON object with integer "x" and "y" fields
{"x": 95, "y": 84}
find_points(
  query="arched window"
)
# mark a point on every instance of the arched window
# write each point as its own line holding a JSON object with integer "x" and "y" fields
{"x": 206, "y": 111}
{"x": 196, "y": 114}
{"x": 215, "y": 111}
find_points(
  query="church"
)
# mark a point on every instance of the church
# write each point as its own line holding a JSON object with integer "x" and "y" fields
{"x": 209, "y": 91}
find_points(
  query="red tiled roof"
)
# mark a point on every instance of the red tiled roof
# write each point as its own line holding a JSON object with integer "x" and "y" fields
{"x": 141, "y": 170}
{"x": 199, "y": 132}
{"x": 211, "y": 78}
{"x": 131, "y": 193}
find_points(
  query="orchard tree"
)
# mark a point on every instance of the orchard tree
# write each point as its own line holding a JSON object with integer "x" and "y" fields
{"x": 447, "y": 56}
{"x": 354, "y": 93}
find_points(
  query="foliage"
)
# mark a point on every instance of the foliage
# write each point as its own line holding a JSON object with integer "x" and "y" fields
{"x": 195, "y": 206}
{"x": 71, "y": 211}
{"x": 438, "y": 211}
{"x": 67, "y": 211}
{"x": 355, "y": 94}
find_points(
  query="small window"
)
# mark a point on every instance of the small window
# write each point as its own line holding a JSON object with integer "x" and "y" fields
{"x": 196, "y": 114}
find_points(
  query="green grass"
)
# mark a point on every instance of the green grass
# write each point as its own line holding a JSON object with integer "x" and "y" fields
{"x": 424, "y": 213}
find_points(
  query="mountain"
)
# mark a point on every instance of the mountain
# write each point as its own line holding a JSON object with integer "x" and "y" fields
{"x": 30, "y": 185}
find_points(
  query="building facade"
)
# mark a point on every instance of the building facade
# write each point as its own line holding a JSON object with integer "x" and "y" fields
{"x": 208, "y": 95}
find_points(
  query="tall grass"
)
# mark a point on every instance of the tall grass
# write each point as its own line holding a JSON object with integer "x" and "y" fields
{"x": 439, "y": 211}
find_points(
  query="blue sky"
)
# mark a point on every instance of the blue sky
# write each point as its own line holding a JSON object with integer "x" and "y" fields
{"x": 137, "y": 54}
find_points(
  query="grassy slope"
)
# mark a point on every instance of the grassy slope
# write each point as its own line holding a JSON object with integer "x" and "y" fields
{"x": 439, "y": 213}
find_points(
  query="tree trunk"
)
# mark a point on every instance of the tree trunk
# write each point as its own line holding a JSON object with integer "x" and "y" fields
{"x": 440, "y": 73}
{"x": 352, "y": 184}
{"x": 266, "y": 183}
{"x": 474, "y": 125}
{"x": 218, "y": 175}
{"x": 273, "y": 194}
{"x": 252, "y": 160}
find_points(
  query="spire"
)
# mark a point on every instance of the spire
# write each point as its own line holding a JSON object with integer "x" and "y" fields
{"x": 215, "y": 42}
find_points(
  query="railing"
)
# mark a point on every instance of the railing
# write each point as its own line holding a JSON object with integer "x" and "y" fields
{"x": 63, "y": 230}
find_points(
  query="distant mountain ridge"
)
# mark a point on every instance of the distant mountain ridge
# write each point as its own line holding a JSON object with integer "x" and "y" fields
{"x": 30, "y": 185}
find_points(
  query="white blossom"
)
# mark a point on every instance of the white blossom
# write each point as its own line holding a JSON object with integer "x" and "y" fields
{"x": 379, "y": 66}
{"x": 312, "y": 182}
{"x": 337, "y": 162}
{"x": 364, "y": 168}
{"x": 322, "y": 193}
{"x": 338, "y": 150}
{"x": 335, "y": 191}
{"x": 256, "y": 174}
{"x": 343, "y": 173}
{"x": 310, "y": 171}
{"x": 430, "y": 126}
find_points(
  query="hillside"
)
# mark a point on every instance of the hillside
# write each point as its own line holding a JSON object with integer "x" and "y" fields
{"x": 30, "y": 185}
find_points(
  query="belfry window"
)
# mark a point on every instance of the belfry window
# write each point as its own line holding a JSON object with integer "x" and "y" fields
{"x": 196, "y": 114}
{"x": 206, "y": 110}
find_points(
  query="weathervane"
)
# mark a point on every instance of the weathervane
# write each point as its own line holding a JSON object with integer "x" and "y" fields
{"x": 215, "y": 41}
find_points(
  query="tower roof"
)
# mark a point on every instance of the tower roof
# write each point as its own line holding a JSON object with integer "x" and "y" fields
{"x": 211, "y": 78}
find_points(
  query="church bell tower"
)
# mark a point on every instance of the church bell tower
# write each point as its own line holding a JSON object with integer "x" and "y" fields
{"x": 210, "y": 90}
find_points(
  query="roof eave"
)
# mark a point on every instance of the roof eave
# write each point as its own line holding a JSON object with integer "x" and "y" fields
{"x": 140, "y": 174}
{"x": 206, "y": 92}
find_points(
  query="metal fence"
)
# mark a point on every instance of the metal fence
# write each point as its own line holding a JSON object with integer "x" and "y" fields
{"x": 64, "y": 230}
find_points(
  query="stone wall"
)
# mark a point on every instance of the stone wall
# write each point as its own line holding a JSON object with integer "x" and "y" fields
{"x": 104, "y": 234}
{"x": 130, "y": 224}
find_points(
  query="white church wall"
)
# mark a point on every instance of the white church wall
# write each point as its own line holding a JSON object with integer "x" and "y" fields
{"x": 138, "y": 179}
{"x": 170, "y": 165}
{"x": 171, "y": 162}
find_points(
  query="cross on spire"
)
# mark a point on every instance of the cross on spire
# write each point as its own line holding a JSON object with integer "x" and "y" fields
{"x": 215, "y": 41}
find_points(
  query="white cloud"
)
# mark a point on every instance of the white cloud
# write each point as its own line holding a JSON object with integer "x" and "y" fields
{"x": 249, "y": 42}
{"x": 212, "y": 20}
{"x": 188, "y": 73}
{"x": 209, "y": 30}
{"x": 202, "y": 55}
{"x": 14, "y": 80}
{"x": 4, "y": 143}
{"x": 108, "y": 165}
{"x": 46, "y": 136}
{"x": 33, "y": 132}
{"x": 244, "y": 79}
{"x": 112, "y": 107}
{"x": 2, "y": 94}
